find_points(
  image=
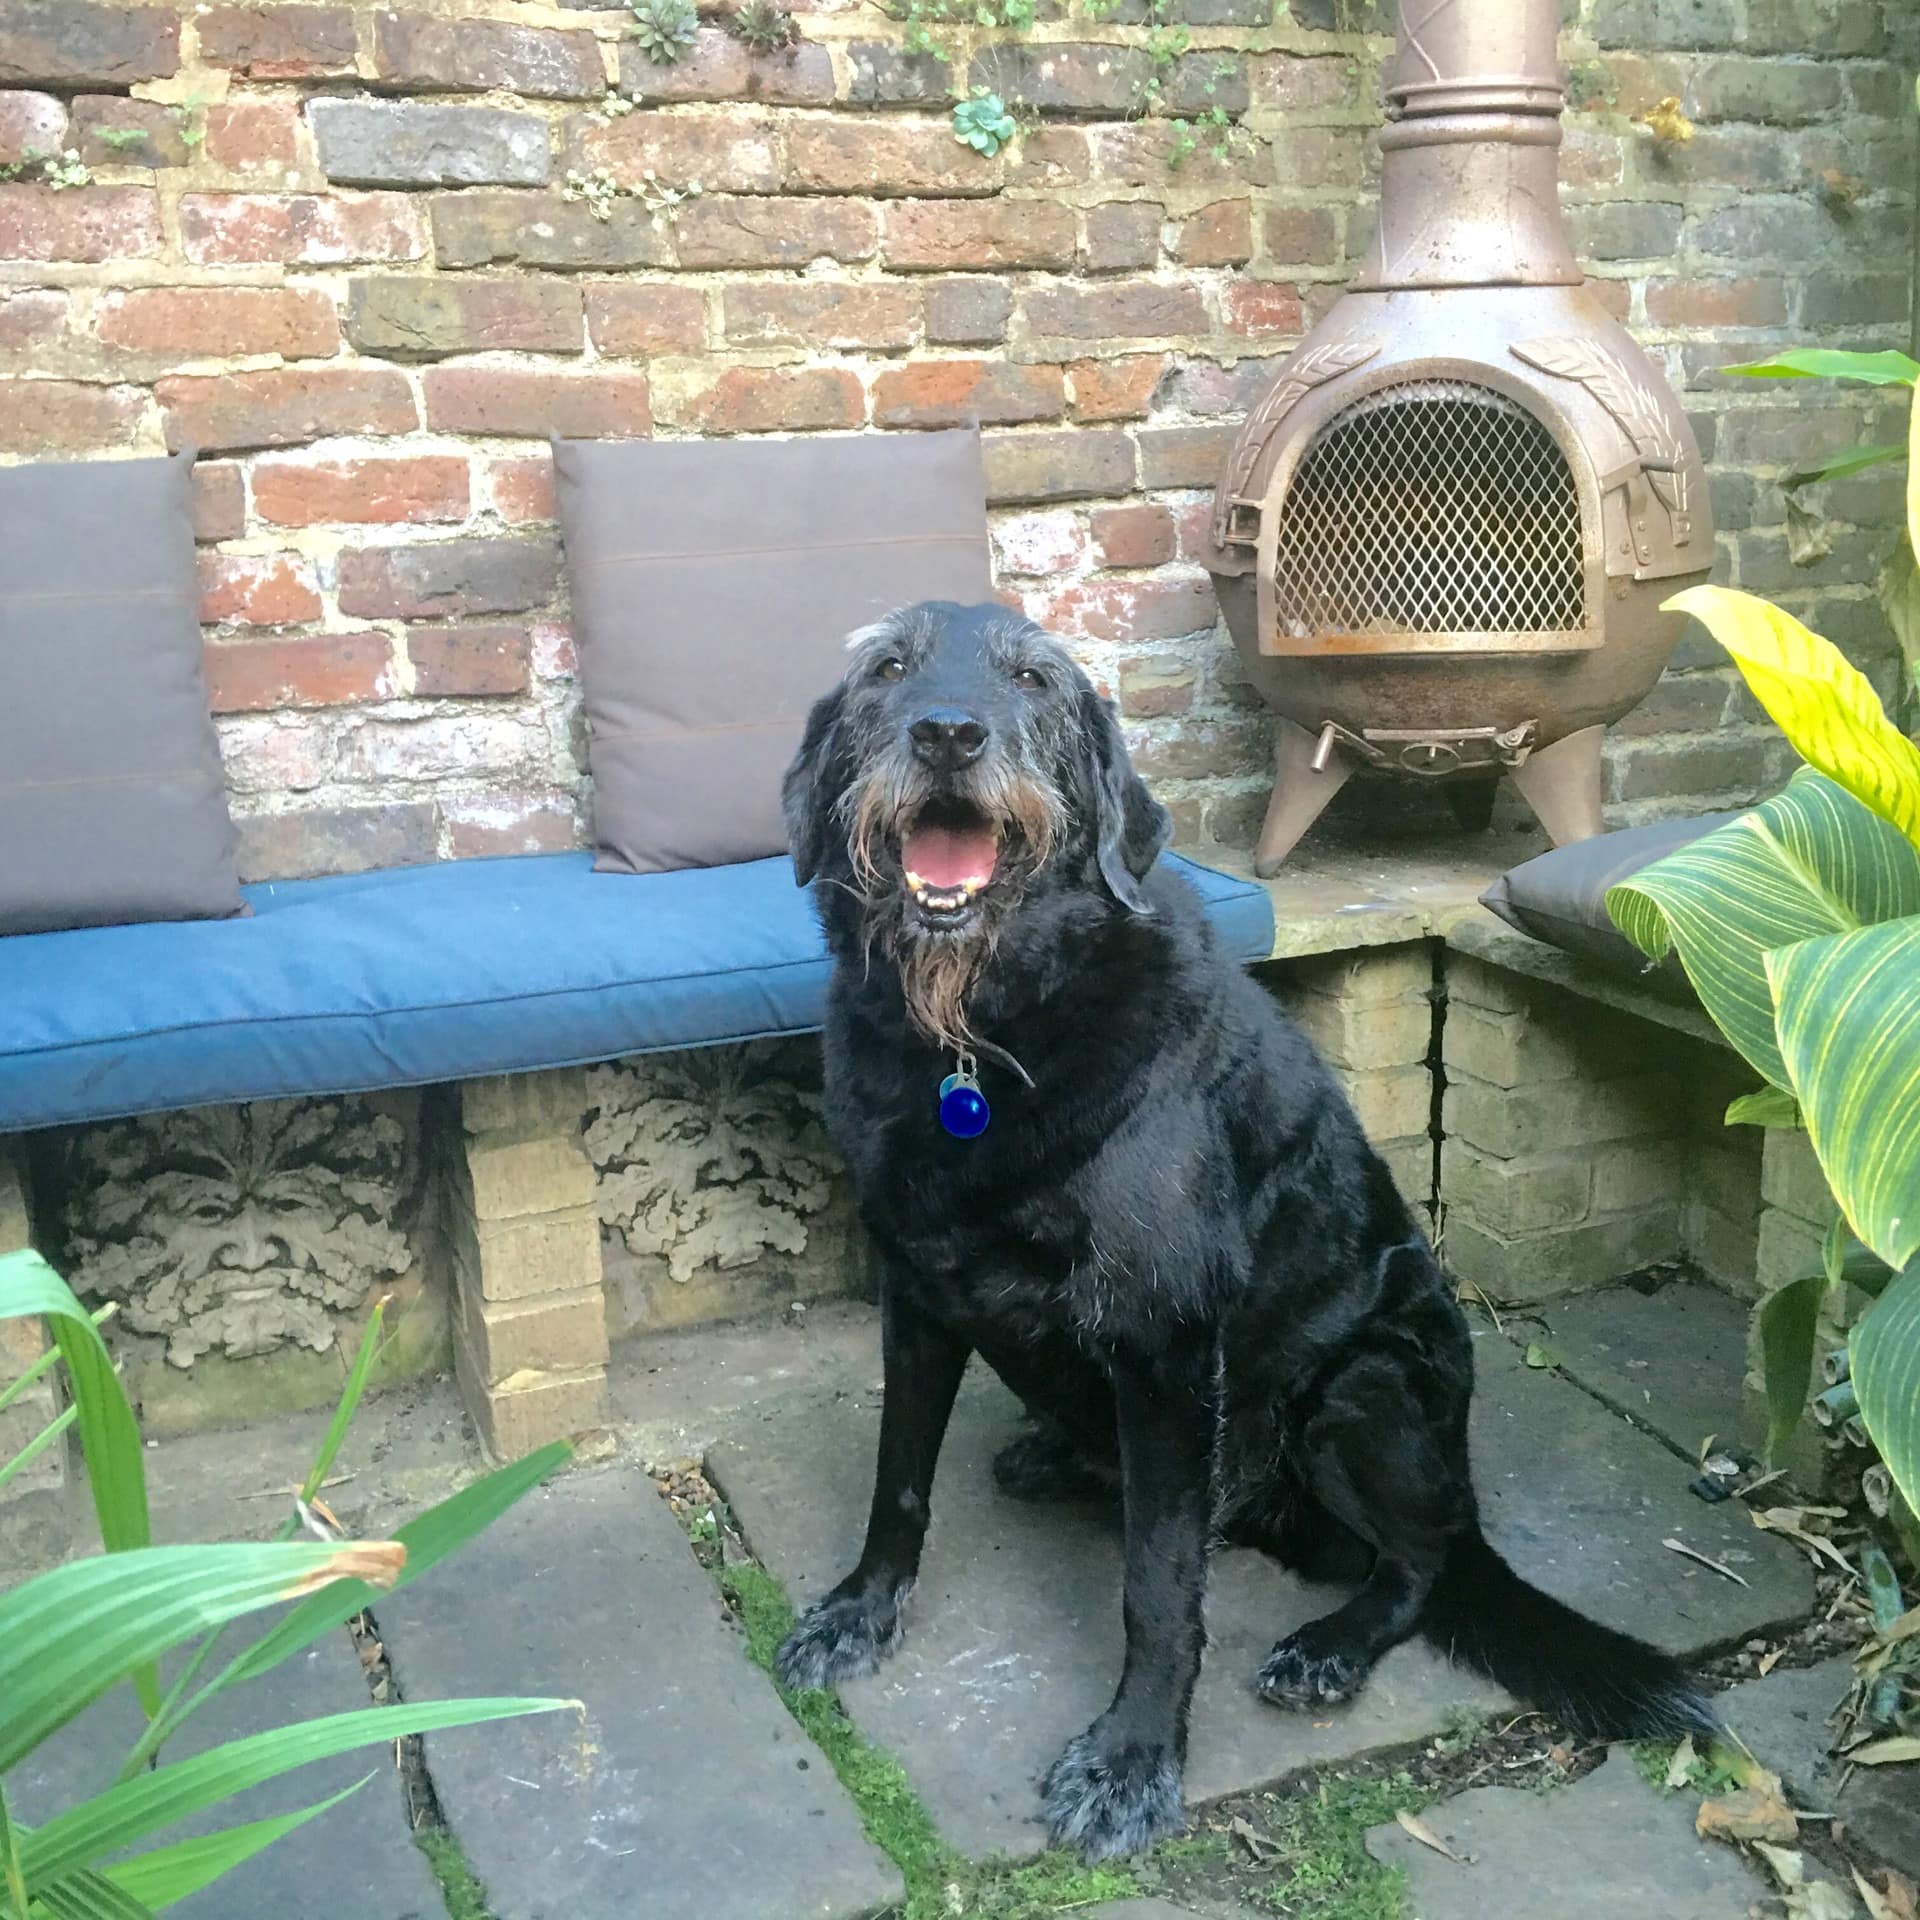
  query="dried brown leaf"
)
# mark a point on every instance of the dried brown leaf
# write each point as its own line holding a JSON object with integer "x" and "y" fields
{"x": 1682, "y": 1763}
{"x": 1884, "y": 1753}
{"x": 377, "y": 1562}
{"x": 1418, "y": 1828}
{"x": 1895, "y": 1902}
{"x": 1751, "y": 1813}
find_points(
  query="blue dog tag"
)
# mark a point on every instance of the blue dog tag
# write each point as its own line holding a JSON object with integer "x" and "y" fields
{"x": 963, "y": 1107}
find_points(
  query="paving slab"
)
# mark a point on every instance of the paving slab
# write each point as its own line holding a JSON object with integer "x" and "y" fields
{"x": 357, "y": 1860}
{"x": 1137, "y": 1910}
{"x": 1582, "y": 1504}
{"x": 686, "y": 1791}
{"x": 1606, "y": 1846}
{"x": 1783, "y": 1718}
{"x": 1015, "y": 1638}
{"x": 1674, "y": 1358}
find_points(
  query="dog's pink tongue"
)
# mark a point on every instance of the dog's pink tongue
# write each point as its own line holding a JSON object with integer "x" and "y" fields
{"x": 945, "y": 858}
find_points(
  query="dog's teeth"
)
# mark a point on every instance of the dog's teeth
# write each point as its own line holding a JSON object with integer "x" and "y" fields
{"x": 972, "y": 887}
{"x": 915, "y": 885}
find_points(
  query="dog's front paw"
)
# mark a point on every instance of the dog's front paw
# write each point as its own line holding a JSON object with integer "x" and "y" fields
{"x": 1105, "y": 1798}
{"x": 1299, "y": 1674}
{"x": 842, "y": 1637}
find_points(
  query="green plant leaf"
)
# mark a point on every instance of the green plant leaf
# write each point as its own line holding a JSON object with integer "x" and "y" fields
{"x": 116, "y": 1470}
{"x": 1826, "y": 363}
{"x": 82, "y": 1835}
{"x": 1809, "y": 862}
{"x": 89, "y": 1896}
{"x": 1769, "y": 1107}
{"x": 67, "y": 1635}
{"x": 1848, "y": 1008}
{"x": 428, "y": 1539}
{"x": 1840, "y": 466}
{"x": 1787, "y": 1323}
{"x": 1824, "y": 705}
{"x": 38, "y": 1445}
{"x": 348, "y": 1403}
{"x": 172, "y": 1873}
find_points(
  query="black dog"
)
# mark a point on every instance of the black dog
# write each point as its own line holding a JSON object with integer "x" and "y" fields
{"x": 1172, "y": 1240}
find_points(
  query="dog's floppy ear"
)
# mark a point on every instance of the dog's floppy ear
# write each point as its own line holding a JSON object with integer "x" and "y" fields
{"x": 807, "y": 794}
{"x": 1130, "y": 825}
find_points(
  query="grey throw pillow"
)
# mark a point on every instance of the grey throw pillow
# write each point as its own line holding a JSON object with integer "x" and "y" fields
{"x": 112, "y": 803}
{"x": 1561, "y": 896}
{"x": 714, "y": 584}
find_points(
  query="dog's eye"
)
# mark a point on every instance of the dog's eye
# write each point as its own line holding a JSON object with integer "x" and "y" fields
{"x": 890, "y": 669}
{"x": 1030, "y": 680}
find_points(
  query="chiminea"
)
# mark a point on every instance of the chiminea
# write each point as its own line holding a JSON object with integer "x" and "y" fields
{"x": 1442, "y": 538}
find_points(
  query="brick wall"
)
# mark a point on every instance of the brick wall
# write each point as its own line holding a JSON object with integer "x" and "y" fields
{"x": 327, "y": 245}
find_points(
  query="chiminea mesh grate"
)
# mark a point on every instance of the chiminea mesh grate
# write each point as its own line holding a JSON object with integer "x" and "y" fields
{"x": 1434, "y": 506}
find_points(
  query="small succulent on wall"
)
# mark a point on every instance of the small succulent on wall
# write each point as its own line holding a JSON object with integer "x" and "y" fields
{"x": 983, "y": 122}
{"x": 664, "y": 28}
{"x": 763, "y": 25}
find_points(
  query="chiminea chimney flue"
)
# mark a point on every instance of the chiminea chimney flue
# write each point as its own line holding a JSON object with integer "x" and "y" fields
{"x": 1442, "y": 537}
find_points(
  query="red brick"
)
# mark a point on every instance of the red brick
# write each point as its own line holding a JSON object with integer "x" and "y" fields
{"x": 314, "y": 670}
{"x": 849, "y": 316}
{"x": 30, "y": 123}
{"x": 71, "y": 42}
{"x": 935, "y": 235}
{"x": 1123, "y": 235}
{"x": 1614, "y": 296}
{"x": 1156, "y": 608}
{"x": 486, "y": 829}
{"x": 405, "y": 315}
{"x": 1263, "y": 306}
{"x": 1303, "y": 236}
{"x": 776, "y": 399}
{"x": 1182, "y": 456}
{"x": 513, "y": 402}
{"x": 644, "y": 317}
{"x": 1153, "y": 687}
{"x": 884, "y": 157}
{"x": 1717, "y": 303}
{"x": 738, "y": 231}
{"x": 219, "y": 501}
{"x": 257, "y": 589}
{"x": 1075, "y": 465}
{"x": 99, "y": 223}
{"x": 461, "y": 661}
{"x": 31, "y": 316}
{"x": 719, "y": 67}
{"x": 956, "y": 393}
{"x": 415, "y": 489}
{"x": 204, "y": 323}
{"x": 110, "y": 131}
{"x": 522, "y": 489}
{"x": 245, "y": 134}
{"x": 67, "y": 416}
{"x": 1220, "y": 235}
{"x": 426, "y": 55}
{"x": 278, "y": 43}
{"x": 1287, "y": 80}
{"x": 440, "y": 579}
{"x": 725, "y": 153}
{"x": 1115, "y": 389}
{"x": 1135, "y": 536}
{"x": 1126, "y": 309}
{"x": 280, "y": 407}
{"x": 247, "y": 229}
{"x": 1153, "y": 153}
{"x": 1050, "y": 157}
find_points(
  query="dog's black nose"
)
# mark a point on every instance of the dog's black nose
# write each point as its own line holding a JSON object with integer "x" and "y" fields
{"x": 947, "y": 738}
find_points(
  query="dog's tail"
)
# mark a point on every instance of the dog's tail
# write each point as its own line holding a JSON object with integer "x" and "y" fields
{"x": 1602, "y": 1684}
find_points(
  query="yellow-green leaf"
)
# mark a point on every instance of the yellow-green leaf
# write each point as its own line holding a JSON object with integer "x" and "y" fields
{"x": 1809, "y": 862}
{"x": 1913, "y": 477}
{"x": 1848, "y": 1011}
{"x": 1824, "y": 705}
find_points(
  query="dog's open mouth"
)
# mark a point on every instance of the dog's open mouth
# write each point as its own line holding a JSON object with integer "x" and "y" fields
{"x": 949, "y": 856}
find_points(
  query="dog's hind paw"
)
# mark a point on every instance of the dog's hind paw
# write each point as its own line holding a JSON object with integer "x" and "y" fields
{"x": 1297, "y": 1675}
{"x": 842, "y": 1637}
{"x": 1106, "y": 1800}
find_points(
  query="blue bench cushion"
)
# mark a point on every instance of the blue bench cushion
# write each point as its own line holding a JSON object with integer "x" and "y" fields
{"x": 420, "y": 974}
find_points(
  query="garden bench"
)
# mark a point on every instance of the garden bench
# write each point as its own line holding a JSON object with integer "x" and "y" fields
{"x": 502, "y": 977}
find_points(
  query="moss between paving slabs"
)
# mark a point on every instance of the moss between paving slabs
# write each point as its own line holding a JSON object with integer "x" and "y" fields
{"x": 1307, "y": 1857}
{"x": 466, "y": 1898}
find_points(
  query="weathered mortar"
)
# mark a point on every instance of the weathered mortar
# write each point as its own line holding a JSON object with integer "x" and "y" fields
{"x": 330, "y": 250}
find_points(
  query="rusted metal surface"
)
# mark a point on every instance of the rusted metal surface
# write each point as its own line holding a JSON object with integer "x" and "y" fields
{"x": 1454, "y": 515}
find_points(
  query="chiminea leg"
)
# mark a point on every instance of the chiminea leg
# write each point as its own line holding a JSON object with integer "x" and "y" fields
{"x": 1301, "y": 791}
{"x": 1561, "y": 783}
